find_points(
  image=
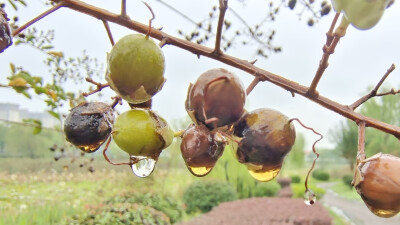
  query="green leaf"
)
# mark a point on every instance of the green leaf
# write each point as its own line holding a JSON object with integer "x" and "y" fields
{"x": 12, "y": 66}
{"x": 37, "y": 125}
{"x": 54, "y": 114}
{"x": 13, "y": 4}
{"x": 47, "y": 47}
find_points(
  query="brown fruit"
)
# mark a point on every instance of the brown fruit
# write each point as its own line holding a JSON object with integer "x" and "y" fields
{"x": 266, "y": 136}
{"x": 89, "y": 125}
{"x": 216, "y": 99}
{"x": 5, "y": 33}
{"x": 201, "y": 149}
{"x": 377, "y": 181}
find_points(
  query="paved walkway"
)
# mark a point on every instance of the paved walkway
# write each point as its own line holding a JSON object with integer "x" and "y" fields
{"x": 354, "y": 211}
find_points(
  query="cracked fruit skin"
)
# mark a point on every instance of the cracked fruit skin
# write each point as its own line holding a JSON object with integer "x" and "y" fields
{"x": 378, "y": 183}
{"x": 363, "y": 14}
{"x": 266, "y": 136}
{"x": 135, "y": 68}
{"x": 218, "y": 94}
{"x": 88, "y": 125}
{"x": 142, "y": 132}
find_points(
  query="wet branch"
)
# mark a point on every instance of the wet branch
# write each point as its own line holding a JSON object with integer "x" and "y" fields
{"x": 244, "y": 65}
{"x": 374, "y": 91}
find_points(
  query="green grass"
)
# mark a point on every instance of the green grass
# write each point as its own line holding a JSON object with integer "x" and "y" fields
{"x": 337, "y": 219}
{"x": 345, "y": 191}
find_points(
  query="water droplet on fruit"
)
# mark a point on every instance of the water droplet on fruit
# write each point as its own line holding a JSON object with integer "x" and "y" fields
{"x": 381, "y": 212}
{"x": 91, "y": 148}
{"x": 309, "y": 197}
{"x": 200, "y": 171}
{"x": 265, "y": 175}
{"x": 143, "y": 167}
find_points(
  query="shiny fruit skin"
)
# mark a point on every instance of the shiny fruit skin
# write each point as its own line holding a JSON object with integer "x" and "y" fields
{"x": 142, "y": 132}
{"x": 88, "y": 125}
{"x": 200, "y": 147}
{"x": 266, "y": 136}
{"x": 218, "y": 94}
{"x": 379, "y": 184}
{"x": 5, "y": 31}
{"x": 363, "y": 14}
{"x": 135, "y": 68}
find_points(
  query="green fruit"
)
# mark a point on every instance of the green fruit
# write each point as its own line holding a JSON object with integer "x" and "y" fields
{"x": 363, "y": 14}
{"x": 135, "y": 68}
{"x": 142, "y": 132}
{"x": 89, "y": 125}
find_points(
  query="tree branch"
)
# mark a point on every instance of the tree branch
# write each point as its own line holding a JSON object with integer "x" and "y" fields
{"x": 374, "y": 91}
{"x": 243, "y": 65}
{"x": 108, "y": 32}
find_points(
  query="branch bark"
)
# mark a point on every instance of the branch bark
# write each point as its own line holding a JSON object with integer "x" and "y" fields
{"x": 243, "y": 65}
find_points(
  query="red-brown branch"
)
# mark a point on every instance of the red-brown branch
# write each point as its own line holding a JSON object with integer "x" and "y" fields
{"x": 374, "y": 91}
{"x": 223, "y": 5}
{"x": 243, "y": 65}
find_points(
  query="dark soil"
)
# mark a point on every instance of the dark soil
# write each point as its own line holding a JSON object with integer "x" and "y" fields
{"x": 264, "y": 211}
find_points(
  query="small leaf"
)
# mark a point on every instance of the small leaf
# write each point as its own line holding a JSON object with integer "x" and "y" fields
{"x": 17, "y": 82}
{"x": 37, "y": 124}
{"x": 12, "y": 67}
{"x": 56, "y": 54}
{"x": 47, "y": 47}
{"x": 54, "y": 114}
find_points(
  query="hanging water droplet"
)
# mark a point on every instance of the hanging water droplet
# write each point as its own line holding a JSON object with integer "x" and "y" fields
{"x": 92, "y": 147}
{"x": 265, "y": 175}
{"x": 381, "y": 212}
{"x": 199, "y": 171}
{"x": 309, "y": 197}
{"x": 143, "y": 167}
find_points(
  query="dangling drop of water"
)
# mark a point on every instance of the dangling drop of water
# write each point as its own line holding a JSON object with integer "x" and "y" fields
{"x": 265, "y": 175}
{"x": 309, "y": 197}
{"x": 92, "y": 147}
{"x": 143, "y": 167}
{"x": 199, "y": 171}
{"x": 381, "y": 212}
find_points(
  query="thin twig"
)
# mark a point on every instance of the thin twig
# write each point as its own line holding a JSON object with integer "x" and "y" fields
{"x": 123, "y": 9}
{"x": 150, "y": 20}
{"x": 223, "y": 5}
{"x": 374, "y": 91}
{"x": 313, "y": 148}
{"x": 391, "y": 92}
{"x": 108, "y": 32}
{"x": 99, "y": 87}
{"x": 117, "y": 100}
{"x": 39, "y": 17}
{"x": 252, "y": 85}
{"x": 361, "y": 142}
{"x": 329, "y": 34}
{"x": 106, "y": 157}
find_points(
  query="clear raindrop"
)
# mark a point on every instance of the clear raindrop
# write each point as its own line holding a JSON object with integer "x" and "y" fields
{"x": 309, "y": 197}
{"x": 143, "y": 167}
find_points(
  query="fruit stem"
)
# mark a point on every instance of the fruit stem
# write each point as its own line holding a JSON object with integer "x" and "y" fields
{"x": 313, "y": 148}
{"x": 108, "y": 32}
{"x": 361, "y": 142}
{"x": 179, "y": 133}
{"x": 106, "y": 157}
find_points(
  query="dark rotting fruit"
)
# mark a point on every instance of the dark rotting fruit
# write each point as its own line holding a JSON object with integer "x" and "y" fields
{"x": 5, "y": 32}
{"x": 88, "y": 125}
{"x": 216, "y": 99}
{"x": 201, "y": 149}
{"x": 377, "y": 181}
{"x": 265, "y": 137}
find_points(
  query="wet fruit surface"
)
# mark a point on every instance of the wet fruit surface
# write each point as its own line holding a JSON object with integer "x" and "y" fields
{"x": 201, "y": 149}
{"x": 5, "y": 34}
{"x": 266, "y": 136}
{"x": 89, "y": 125}
{"x": 217, "y": 95}
{"x": 379, "y": 184}
{"x": 142, "y": 132}
{"x": 135, "y": 68}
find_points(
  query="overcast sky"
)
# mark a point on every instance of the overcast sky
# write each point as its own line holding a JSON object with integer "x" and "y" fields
{"x": 360, "y": 60}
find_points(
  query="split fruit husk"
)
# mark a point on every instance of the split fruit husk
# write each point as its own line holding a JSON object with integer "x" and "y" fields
{"x": 217, "y": 94}
{"x": 265, "y": 137}
{"x": 377, "y": 181}
{"x": 88, "y": 125}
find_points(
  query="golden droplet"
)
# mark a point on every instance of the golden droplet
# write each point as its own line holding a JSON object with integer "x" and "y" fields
{"x": 381, "y": 212}
{"x": 265, "y": 175}
{"x": 199, "y": 171}
{"x": 90, "y": 148}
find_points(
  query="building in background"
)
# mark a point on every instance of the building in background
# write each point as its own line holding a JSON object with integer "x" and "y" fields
{"x": 10, "y": 112}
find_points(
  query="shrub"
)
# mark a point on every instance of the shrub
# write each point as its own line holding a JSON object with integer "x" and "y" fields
{"x": 164, "y": 203}
{"x": 121, "y": 213}
{"x": 267, "y": 189}
{"x": 299, "y": 190}
{"x": 320, "y": 175}
{"x": 347, "y": 179}
{"x": 203, "y": 196}
{"x": 296, "y": 179}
